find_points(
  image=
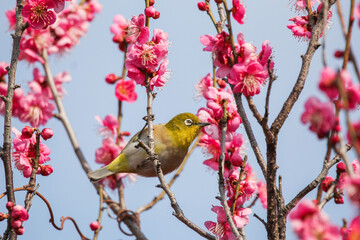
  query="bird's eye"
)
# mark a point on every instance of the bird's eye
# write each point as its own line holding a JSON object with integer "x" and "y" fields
{"x": 188, "y": 122}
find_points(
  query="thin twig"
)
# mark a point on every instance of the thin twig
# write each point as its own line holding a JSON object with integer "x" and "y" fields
{"x": 101, "y": 209}
{"x": 348, "y": 34}
{"x": 237, "y": 189}
{"x": 223, "y": 126}
{"x": 260, "y": 219}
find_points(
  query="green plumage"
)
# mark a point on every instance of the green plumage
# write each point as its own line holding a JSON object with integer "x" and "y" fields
{"x": 172, "y": 141}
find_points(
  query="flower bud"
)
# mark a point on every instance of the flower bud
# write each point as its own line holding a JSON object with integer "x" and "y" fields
{"x": 94, "y": 225}
{"x": 218, "y": 1}
{"x": 337, "y": 128}
{"x": 335, "y": 139}
{"x": 126, "y": 133}
{"x": 325, "y": 185}
{"x": 46, "y": 170}
{"x": 150, "y": 11}
{"x": 151, "y": 2}
{"x": 338, "y": 199}
{"x": 20, "y": 230}
{"x": 27, "y": 132}
{"x": 16, "y": 223}
{"x": 9, "y": 205}
{"x": 111, "y": 78}
{"x": 19, "y": 212}
{"x": 47, "y": 133}
{"x": 156, "y": 15}
{"x": 203, "y": 6}
{"x": 340, "y": 168}
{"x": 2, "y": 216}
{"x": 221, "y": 83}
{"x": 339, "y": 54}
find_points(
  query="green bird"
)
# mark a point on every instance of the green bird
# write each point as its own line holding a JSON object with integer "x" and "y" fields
{"x": 172, "y": 141}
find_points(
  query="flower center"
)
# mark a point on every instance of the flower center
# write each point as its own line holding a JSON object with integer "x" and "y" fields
{"x": 249, "y": 81}
{"x": 148, "y": 56}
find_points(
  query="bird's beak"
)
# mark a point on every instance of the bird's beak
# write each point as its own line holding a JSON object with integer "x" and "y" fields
{"x": 202, "y": 124}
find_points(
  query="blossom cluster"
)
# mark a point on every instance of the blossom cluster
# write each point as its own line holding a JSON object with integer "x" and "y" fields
{"x": 24, "y": 151}
{"x": 236, "y": 172}
{"x": 302, "y": 26}
{"x": 18, "y": 215}
{"x": 244, "y": 68}
{"x": 36, "y": 107}
{"x": 112, "y": 145}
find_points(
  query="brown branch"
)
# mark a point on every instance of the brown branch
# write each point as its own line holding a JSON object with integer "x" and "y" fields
{"x": 50, "y": 211}
{"x": 299, "y": 85}
{"x": 5, "y": 153}
{"x": 130, "y": 222}
{"x": 176, "y": 175}
{"x": 272, "y": 78}
{"x": 313, "y": 184}
{"x": 348, "y": 35}
{"x": 101, "y": 209}
{"x": 260, "y": 219}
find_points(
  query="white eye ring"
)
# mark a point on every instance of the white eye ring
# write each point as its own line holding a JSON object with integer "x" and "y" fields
{"x": 188, "y": 122}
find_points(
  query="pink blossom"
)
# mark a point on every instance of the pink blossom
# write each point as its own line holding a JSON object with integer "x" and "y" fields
{"x": 110, "y": 125}
{"x": 24, "y": 153}
{"x": 161, "y": 76}
{"x": 112, "y": 180}
{"x": 16, "y": 223}
{"x": 262, "y": 193}
{"x": 247, "y": 188}
{"x": 107, "y": 152}
{"x": 137, "y": 31}
{"x": 46, "y": 170}
{"x": 353, "y": 96}
{"x": 37, "y": 109}
{"x": 265, "y": 54}
{"x": 150, "y": 11}
{"x": 328, "y": 82}
{"x": 220, "y": 46}
{"x": 19, "y": 213}
{"x": 356, "y": 127}
{"x": 59, "y": 5}
{"x": 301, "y": 27}
{"x": 91, "y": 7}
{"x": 238, "y": 11}
{"x": 27, "y": 132}
{"x": 354, "y": 229}
{"x": 11, "y": 16}
{"x": 3, "y": 71}
{"x": 301, "y": 4}
{"x": 222, "y": 228}
{"x": 309, "y": 223}
{"x": 17, "y": 100}
{"x": 248, "y": 77}
{"x": 118, "y": 28}
{"x": 357, "y": 12}
{"x": 320, "y": 115}
{"x": 37, "y": 13}
{"x": 125, "y": 91}
{"x": 203, "y": 85}
{"x": 236, "y": 149}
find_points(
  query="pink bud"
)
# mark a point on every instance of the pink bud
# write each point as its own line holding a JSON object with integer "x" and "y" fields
{"x": 20, "y": 230}
{"x": 27, "y": 132}
{"x": 19, "y": 212}
{"x": 340, "y": 168}
{"x": 335, "y": 139}
{"x": 111, "y": 78}
{"x": 151, "y": 2}
{"x": 203, "y": 6}
{"x": 337, "y": 128}
{"x": 46, "y": 170}
{"x": 325, "y": 185}
{"x": 150, "y": 11}
{"x": 16, "y": 223}
{"x": 221, "y": 83}
{"x": 94, "y": 225}
{"x": 47, "y": 133}
{"x": 126, "y": 133}
{"x": 218, "y": 1}
{"x": 156, "y": 15}
{"x": 9, "y": 205}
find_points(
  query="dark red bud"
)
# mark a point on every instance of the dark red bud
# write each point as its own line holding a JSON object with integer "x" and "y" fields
{"x": 335, "y": 139}
{"x": 203, "y": 6}
{"x": 151, "y": 2}
{"x": 156, "y": 15}
{"x": 20, "y": 230}
{"x": 340, "y": 168}
{"x": 337, "y": 128}
{"x": 221, "y": 83}
{"x": 47, "y": 133}
{"x": 339, "y": 54}
{"x": 218, "y": 1}
{"x": 46, "y": 170}
{"x": 94, "y": 225}
{"x": 325, "y": 185}
{"x": 27, "y": 132}
{"x": 111, "y": 78}
{"x": 126, "y": 133}
{"x": 338, "y": 199}
{"x": 9, "y": 205}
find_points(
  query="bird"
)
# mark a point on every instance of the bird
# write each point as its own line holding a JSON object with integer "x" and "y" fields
{"x": 171, "y": 143}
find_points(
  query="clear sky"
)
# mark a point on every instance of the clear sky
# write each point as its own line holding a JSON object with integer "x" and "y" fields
{"x": 68, "y": 190}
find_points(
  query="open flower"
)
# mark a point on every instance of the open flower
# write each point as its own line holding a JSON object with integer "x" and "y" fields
{"x": 125, "y": 91}
{"x": 38, "y": 14}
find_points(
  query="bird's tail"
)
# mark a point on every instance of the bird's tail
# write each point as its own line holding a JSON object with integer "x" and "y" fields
{"x": 99, "y": 174}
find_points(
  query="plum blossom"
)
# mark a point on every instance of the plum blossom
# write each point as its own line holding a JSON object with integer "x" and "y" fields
{"x": 109, "y": 127}
{"x": 119, "y": 28}
{"x": 320, "y": 115}
{"x": 107, "y": 152}
{"x": 24, "y": 153}
{"x": 353, "y": 232}
{"x": 300, "y": 5}
{"x": 125, "y": 91}
{"x": 262, "y": 193}
{"x": 17, "y": 100}
{"x": 137, "y": 31}
{"x": 38, "y": 14}
{"x": 238, "y": 11}
{"x": 36, "y": 109}
{"x": 3, "y": 71}
{"x": 309, "y": 223}
{"x": 351, "y": 185}
{"x": 328, "y": 82}
{"x": 221, "y": 228}
{"x": 11, "y": 16}
{"x": 59, "y": 5}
